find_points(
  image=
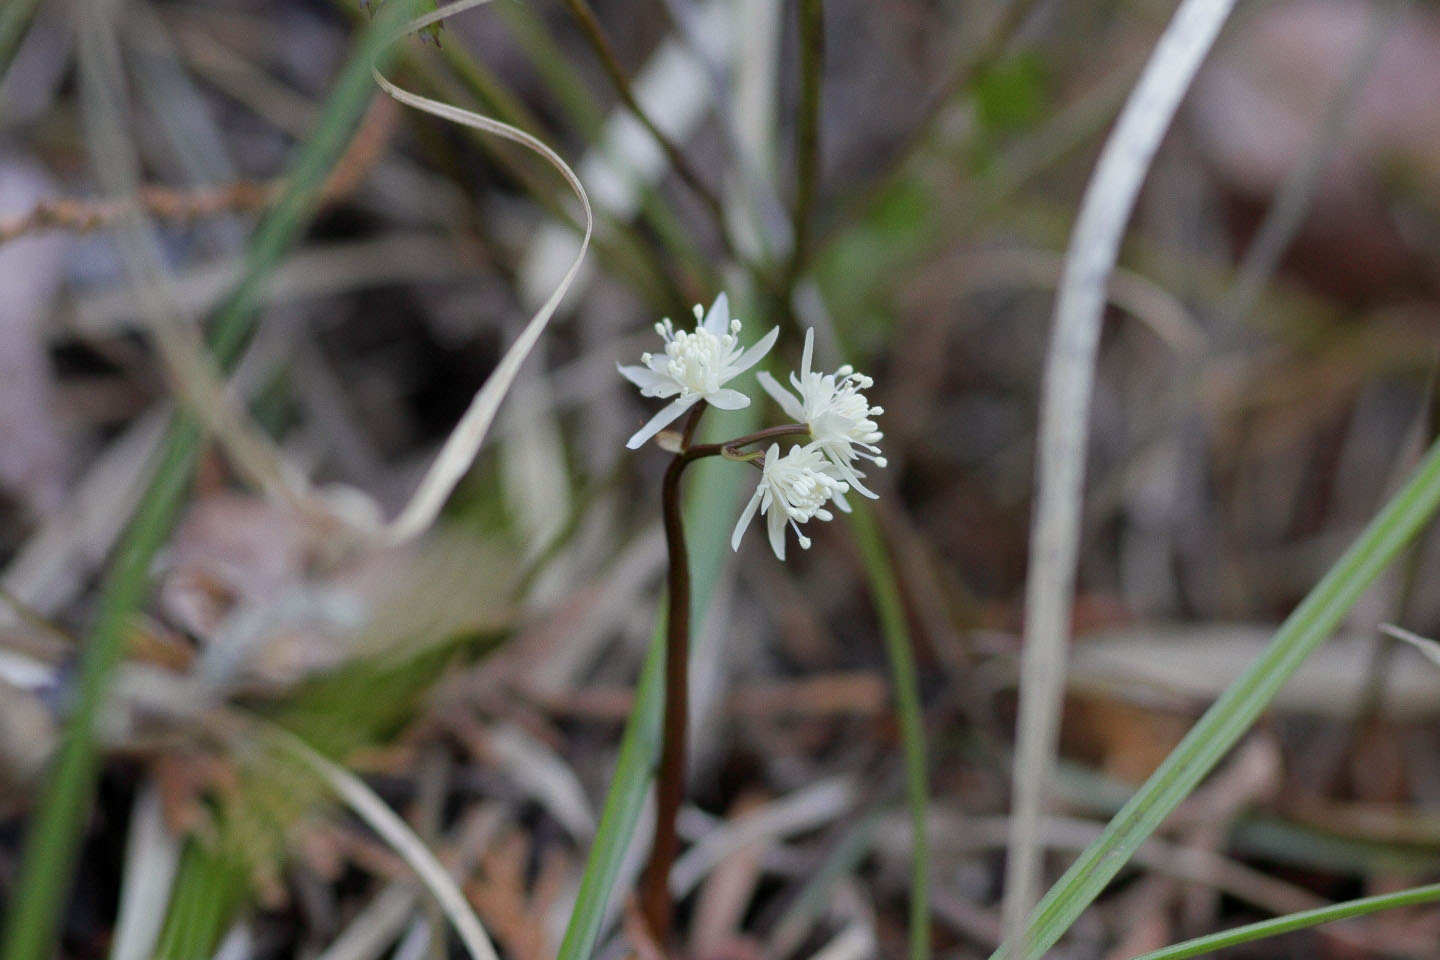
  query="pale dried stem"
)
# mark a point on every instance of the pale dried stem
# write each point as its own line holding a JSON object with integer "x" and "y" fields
{"x": 1065, "y": 406}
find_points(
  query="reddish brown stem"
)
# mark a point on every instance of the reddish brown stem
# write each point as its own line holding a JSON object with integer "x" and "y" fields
{"x": 670, "y": 780}
{"x": 670, "y": 787}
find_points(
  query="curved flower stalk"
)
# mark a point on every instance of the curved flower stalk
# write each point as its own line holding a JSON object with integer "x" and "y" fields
{"x": 792, "y": 489}
{"x": 836, "y": 412}
{"x": 695, "y": 366}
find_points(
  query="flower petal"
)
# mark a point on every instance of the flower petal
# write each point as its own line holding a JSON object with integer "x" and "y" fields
{"x": 746, "y": 516}
{"x": 642, "y": 377}
{"x": 667, "y": 415}
{"x": 851, "y": 476}
{"x": 727, "y": 399}
{"x": 752, "y": 356}
{"x": 717, "y": 321}
{"x": 808, "y": 353}
{"x": 780, "y": 395}
{"x": 775, "y": 521}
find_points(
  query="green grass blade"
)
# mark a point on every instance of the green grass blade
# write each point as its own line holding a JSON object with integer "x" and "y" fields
{"x": 807, "y": 126}
{"x": 206, "y": 889}
{"x": 1294, "y": 921}
{"x": 555, "y": 68}
{"x": 639, "y": 747}
{"x": 707, "y": 532}
{"x": 893, "y": 628}
{"x": 1237, "y": 709}
{"x": 317, "y": 156}
{"x": 60, "y": 814}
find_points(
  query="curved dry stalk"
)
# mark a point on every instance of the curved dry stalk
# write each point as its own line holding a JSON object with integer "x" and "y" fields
{"x": 152, "y": 855}
{"x": 463, "y": 444}
{"x": 396, "y": 832}
{"x": 1065, "y": 406}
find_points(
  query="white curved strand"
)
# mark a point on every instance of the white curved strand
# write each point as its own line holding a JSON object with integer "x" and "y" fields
{"x": 394, "y": 831}
{"x": 463, "y": 444}
{"x": 152, "y": 855}
{"x": 1064, "y": 419}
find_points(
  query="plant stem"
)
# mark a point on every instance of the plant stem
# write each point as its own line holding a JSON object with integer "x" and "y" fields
{"x": 595, "y": 33}
{"x": 670, "y": 787}
{"x": 670, "y": 784}
{"x": 730, "y": 447}
{"x": 1204, "y": 946}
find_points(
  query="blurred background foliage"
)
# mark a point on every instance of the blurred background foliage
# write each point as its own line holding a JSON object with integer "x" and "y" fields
{"x": 1256, "y": 402}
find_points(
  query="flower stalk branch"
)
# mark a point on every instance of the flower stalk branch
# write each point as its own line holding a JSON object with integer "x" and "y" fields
{"x": 731, "y": 449}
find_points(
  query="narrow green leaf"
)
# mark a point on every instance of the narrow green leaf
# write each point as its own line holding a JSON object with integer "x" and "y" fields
{"x": 634, "y": 770}
{"x": 893, "y": 628}
{"x": 807, "y": 127}
{"x": 1230, "y": 717}
{"x": 1294, "y": 921}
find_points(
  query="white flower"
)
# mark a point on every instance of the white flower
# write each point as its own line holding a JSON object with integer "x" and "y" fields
{"x": 836, "y": 412}
{"x": 695, "y": 366}
{"x": 793, "y": 489}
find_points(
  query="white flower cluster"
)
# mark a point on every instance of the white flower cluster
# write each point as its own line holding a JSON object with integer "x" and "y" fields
{"x": 799, "y": 485}
{"x": 695, "y": 366}
{"x": 836, "y": 412}
{"x": 792, "y": 489}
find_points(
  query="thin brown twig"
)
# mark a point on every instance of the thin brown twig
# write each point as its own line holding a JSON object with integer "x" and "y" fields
{"x": 595, "y": 33}
{"x": 186, "y": 205}
{"x": 83, "y": 215}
